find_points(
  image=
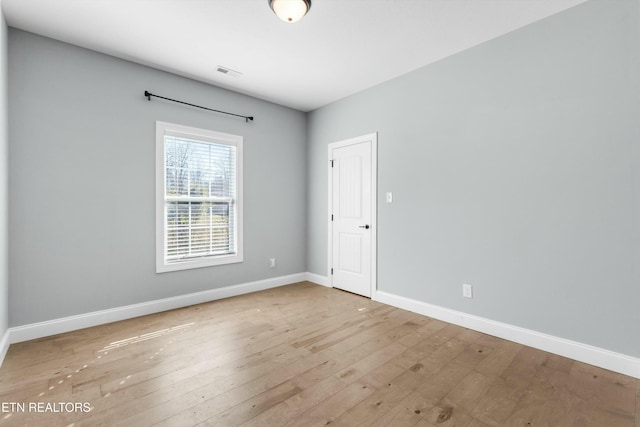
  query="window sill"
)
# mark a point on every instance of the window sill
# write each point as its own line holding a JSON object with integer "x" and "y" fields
{"x": 164, "y": 267}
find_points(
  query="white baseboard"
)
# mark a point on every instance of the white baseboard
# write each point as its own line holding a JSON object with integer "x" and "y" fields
{"x": 72, "y": 323}
{"x": 318, "y": 279}
{"x": 602, "y": 358}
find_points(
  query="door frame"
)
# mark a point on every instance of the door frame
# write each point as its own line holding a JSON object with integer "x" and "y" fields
{"x": 373, "y": 138}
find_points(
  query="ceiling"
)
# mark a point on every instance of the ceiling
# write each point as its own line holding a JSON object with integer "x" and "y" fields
{"x": 341, "y": 47}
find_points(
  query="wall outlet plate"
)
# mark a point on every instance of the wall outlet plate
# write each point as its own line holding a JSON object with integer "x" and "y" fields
{"x": 467, "y": 291}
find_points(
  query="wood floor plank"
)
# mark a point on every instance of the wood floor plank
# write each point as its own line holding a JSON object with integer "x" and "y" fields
{"x": 374, "y": 407}
{"x": 292, "y": 408}
{"x": 240, "y": 413}
{"x": 408, "y": 412}
{"x": 469, "y": 391}
{"x": 637, "y": 403}
{"x": 326, "y": 412}
{"x": 501, "y": 358}
{"x": 445, "y": 413}
{"x": 496, "y": 405}
{"x": 304, "y": 355}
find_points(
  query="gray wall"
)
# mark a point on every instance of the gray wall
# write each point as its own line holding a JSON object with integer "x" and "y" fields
{"x": 4, "y": 183}
{"x": 515, "y": 168}
{"x": 82, "y": 195}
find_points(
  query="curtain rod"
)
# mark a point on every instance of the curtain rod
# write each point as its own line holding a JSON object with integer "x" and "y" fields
{"x": 149, "y": 95}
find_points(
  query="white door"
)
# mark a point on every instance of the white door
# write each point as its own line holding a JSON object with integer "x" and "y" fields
{"x": 352, "y": 206}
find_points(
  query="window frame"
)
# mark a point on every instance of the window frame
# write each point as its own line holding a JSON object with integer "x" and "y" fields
{"x": 209, "y": 136}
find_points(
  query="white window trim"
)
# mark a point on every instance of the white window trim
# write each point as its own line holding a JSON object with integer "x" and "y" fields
{"x": 162, "y": 266}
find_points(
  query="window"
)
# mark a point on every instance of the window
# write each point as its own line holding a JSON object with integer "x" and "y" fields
{"x": 199, "y": 198}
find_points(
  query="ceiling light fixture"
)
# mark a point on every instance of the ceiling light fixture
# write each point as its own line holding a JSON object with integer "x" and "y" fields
{"x": 290, "y": 10}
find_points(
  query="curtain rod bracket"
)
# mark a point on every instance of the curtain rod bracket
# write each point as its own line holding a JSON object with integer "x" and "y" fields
{"x": 149, "y": 95}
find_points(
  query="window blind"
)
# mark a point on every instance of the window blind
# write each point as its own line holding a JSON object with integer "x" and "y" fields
{"x": 199, "y": 198}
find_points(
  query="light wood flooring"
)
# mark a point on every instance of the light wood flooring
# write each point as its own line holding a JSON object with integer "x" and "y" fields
{"x": 304, "y": 355}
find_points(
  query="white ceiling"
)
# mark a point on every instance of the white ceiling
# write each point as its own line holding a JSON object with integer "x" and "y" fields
{"x": 341, "y": 47}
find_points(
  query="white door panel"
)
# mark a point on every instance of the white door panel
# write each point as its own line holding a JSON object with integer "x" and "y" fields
{"x": 351, "y": 204}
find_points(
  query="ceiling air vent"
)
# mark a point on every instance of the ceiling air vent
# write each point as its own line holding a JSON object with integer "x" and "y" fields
{"x": 228, "y": 71}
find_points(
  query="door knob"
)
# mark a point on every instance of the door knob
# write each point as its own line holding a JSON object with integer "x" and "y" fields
{"x": 364, "y": 226}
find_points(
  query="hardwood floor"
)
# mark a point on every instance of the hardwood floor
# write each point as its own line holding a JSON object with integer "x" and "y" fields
{"x": 302, "y": 355}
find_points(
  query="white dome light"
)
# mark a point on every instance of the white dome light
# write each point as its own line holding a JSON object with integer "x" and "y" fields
{"x": 290, "y": 10}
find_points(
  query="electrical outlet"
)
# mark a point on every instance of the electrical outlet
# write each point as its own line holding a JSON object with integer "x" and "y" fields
{"x": 467, "y": 291}
{"x": 272, "y": 263}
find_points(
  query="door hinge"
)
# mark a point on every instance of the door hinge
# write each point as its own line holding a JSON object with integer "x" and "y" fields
{"x": 331, "y": 217}
{"x": 332, "y": 271}
{"x": 332, "y": 162}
